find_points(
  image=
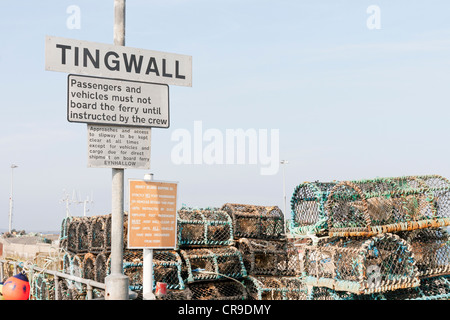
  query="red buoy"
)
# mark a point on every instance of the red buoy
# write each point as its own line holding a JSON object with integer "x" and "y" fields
{"x": 16, "y": 288}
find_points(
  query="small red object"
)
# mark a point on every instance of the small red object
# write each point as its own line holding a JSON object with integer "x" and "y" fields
{"x": 161, "y": 289}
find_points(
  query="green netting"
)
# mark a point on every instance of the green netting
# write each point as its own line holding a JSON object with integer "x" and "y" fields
{"x": 260, "y": 222}
{"x": 433, "y": 288}
{"x": 269, "y": 257}
{"x": 431, "y": 249}
{"x": 212, "y": 264}
{"x": 359, "y": 265}
{"x": 369, "y": 207}
{"x": 275, "y": 288}
{"x": 204, "y": 227}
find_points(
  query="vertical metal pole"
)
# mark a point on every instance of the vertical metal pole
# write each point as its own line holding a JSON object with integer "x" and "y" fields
{"x": 283, "y": 163}
{"x": 116, "y": 284}
{"x": 147, "y": 277}
{"x": 57, "y": 284}
{"x": 11, "y": 198}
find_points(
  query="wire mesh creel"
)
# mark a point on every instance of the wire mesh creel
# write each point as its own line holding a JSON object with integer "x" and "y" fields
{"x": 359, "y": 265}
{"x": 369, "y": 207}
{"x": 251, "y": 221}
{"x": 212, "y": 264}
{"x": 269, "y": 257}
{"x": 431, "y": 248}
{"x": 90, "y": 234}
{"x": 308, "y": 208}
{"x": 218, "y": 290}
{"x": 433, "y": 288}
{"x": 275, "y": 288}
{"x": 204, "y": 227}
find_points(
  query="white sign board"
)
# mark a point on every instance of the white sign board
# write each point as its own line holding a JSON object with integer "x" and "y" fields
{"x": 119, "y": 62}
{"x": 117, "y": 102}
{"x": 118, "y": 147}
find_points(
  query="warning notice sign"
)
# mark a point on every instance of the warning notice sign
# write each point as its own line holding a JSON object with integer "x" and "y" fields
{"x": 152, "y": 216}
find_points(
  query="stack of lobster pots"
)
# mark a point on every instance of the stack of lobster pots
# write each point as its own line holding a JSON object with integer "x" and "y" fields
{"x": 210, "y": 266}
{"x": 382, "y": 238}
{"x": 86, "y": 244}
{"x": 270, "y": 260}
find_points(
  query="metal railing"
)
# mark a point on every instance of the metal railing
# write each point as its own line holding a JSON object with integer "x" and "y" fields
{"x": 31, "y": 269}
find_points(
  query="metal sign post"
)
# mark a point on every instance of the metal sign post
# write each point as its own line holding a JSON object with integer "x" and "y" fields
{"x": 116, "y": 284}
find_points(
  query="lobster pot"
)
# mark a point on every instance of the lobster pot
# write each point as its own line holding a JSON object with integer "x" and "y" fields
{"x": 101, "y": 267}
{"x": 184, "y": 294}
{"x": 218, "y": 290}
{"x": 323, "y": 293}
{"x": 212, "y": 264}
{"x": 431, "y": 248}
{"x": 353, "y": 212}
{"x": 89, "y": 266}
{"x": 83, "y": 233}
{"x": 72, "y": 235}
{"x": 107, "y": 219}
{"x": 64, "y": 291}
{"x": 360, "y": 265}
{"x": 437, "y": 190}
{"x": 78, "y": 232}
{"x": 133, "y": 268}
{"x": 269, "y": 257}
{"x": 208, "y": 227}
{"x": 275, "y": 288}
{"x": 308, "y": 207}
{"x": 63, "y": 234}
{"x": 97, "y": 237}
{"x": 167, "y": 268}
{"x": 260, "y": 222}
{"x": 43, "y": 287}
{"x": 434, "y": 288}
{"x": 66, "y": 262}
{"x": 76, "y": 269}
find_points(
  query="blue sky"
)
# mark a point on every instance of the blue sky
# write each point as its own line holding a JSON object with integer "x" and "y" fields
{"x": 349, "y": 102}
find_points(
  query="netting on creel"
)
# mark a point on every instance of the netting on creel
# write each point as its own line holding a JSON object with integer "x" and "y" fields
{"x": 66, "y": 262}
{"x": 97, "y": 237}
{"x": 101, "y": 269}
{"x": 167, "y": 268}
{"x": 184, "y": 294}
{"x": 251, "y": 221}
{"x": 132, "y": 268}
{"x": 72, "y": 235}
{"x": 88, "y": 265}
{"x": 43, "y": 287}
{"x": 369, "y": 207}
{"x": 360, "y": 265}
{"x": 275, "y": 288}
{"x": 433, "y": 288}
{"x": 269, "y": 257}
{"x": 90, "y": 234}
{"x": 308, "y": 207}
{"x": 431, "y": 249}
{"x": 212, "y": 264}
{"x": 63, "y": 234}
{"x": 204, "y": 227}
{"x": 83, "y": 233}
{"x": 218, "y": 290}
